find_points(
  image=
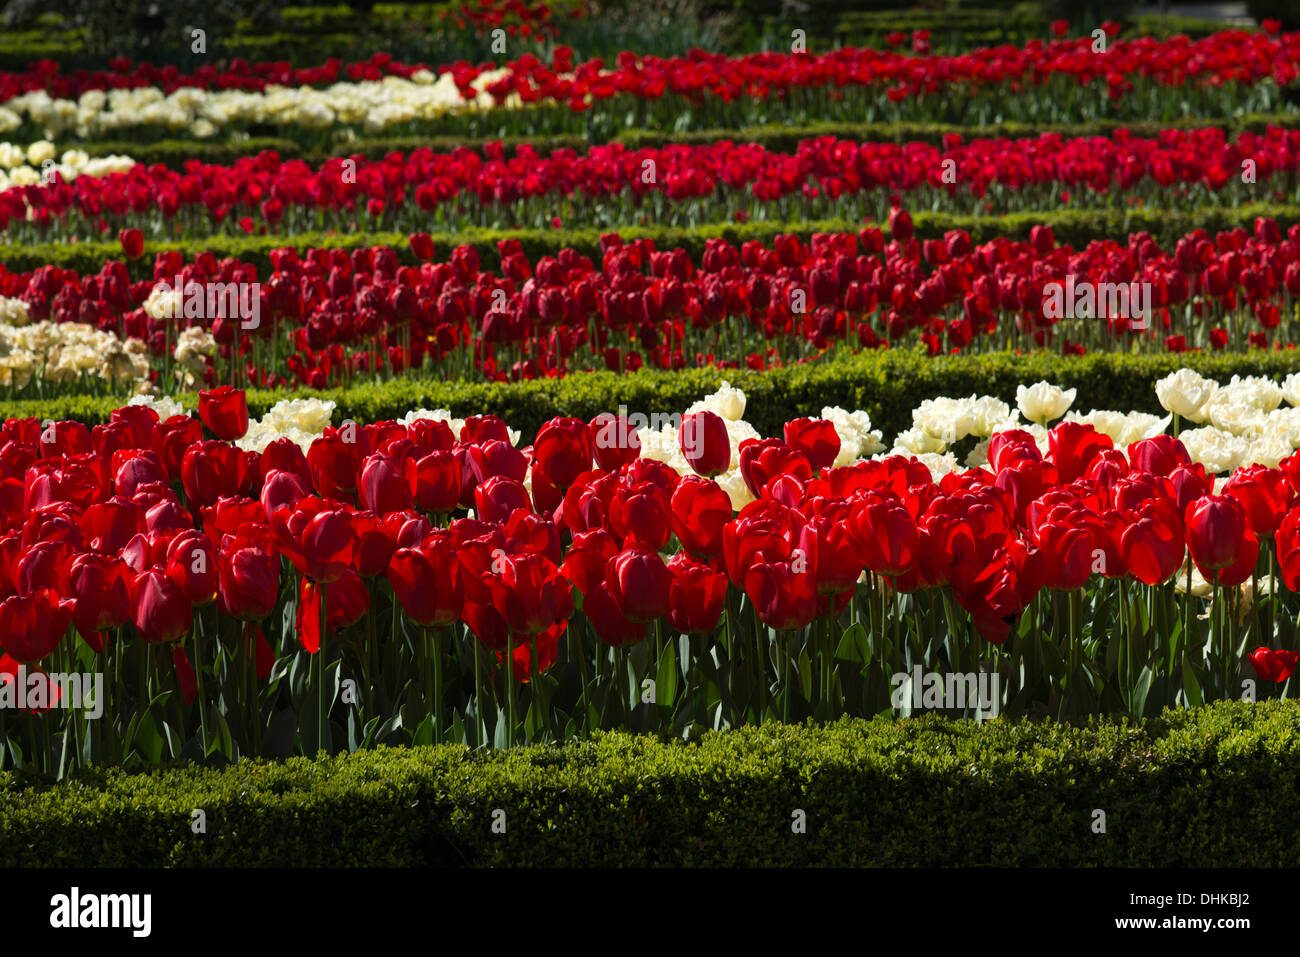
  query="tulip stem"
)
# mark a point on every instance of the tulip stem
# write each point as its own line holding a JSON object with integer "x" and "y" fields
{"x": 321, "y": 736}
{"x": 198, "y": 683}
{"x": 534, "y": 683}
{"x": 431, "y": 642}
{"x": 508, "y": 666}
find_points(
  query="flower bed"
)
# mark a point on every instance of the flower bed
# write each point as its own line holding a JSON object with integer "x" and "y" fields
{"x": 288, "y": 584}
{"x": 614, "y": 185}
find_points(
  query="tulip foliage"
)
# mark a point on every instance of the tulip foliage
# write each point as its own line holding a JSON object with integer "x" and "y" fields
{"x": 407, "y": 583}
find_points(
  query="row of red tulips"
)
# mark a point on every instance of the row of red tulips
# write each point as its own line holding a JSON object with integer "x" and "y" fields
{"x": 673, "y": 185}
{"x": 327, "y": 316}
{"x": 1230, "y": 56}
{"x": 233, "y": 600}
{"x": 1225, "y": 74}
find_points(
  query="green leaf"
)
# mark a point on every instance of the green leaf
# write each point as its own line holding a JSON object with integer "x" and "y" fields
{"x": 666, "y": 682}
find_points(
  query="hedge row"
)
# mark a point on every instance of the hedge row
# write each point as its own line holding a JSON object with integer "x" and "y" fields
{"x": 1200, "y": 788}
{"x": 1077, "y": 227}
{"x": 775, "y": 137}
{"x": 888, "y": 385}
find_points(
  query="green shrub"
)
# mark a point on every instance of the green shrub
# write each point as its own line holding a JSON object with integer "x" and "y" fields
{"x": 887, "y": 385}
{"x": 1199, "y": 788}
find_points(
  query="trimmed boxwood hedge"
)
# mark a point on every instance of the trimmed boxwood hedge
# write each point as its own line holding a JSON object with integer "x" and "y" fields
{"x": 1210, "y": 787}
{"x": 888, "y": 385}
{"x": 1077, "y": 227}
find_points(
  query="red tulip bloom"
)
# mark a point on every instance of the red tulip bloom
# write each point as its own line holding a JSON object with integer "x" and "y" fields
{"x": 422, "y": 246}
{"x": 695, "y": 596}
{"x": 435, "y": 481}
{"x": 498, "y": 497}
{"x": 248, "y": 581}
{"x": 531, "y": 594}
{"x": 346, "y": 600}
{"x": 699, "y": 510}
{"x": 1263, "y": 494}
{"x": 816, "y": 438}
{"x": 1273, "y": 665}
{"x": 334, "y": 464}
{"x": 162, "y": 612}
{"x": 563, "y": 451}
{"x": 612, "y": 626}
{"x": 192, "y": 566}
{"x": 31, "y": 626}
{"x": 638, "y": 581}
{"x": 100, "y": 589}
{"x": 784, "y": 590}
{"x": 585, "y": 561}
{"x": 1216, "y": 532}
{"x": 1159, "y": 455}
{"x": 1152, "y": 550}
{"x": 1073, "y": 446}
{"x": 705, "y": 443}
{"x": 382, "y": 486}
{"x": 282, "y": 489}
{"x": 212, "y": 469}
{"x": 427, "y": 581}
{"x": 885, "y": 534}
{"x": 639, "y": 515}
{"x": 762, "y": 460}
{"x": 224, "y": 410}
{"x": 132, "y": 241}
{"x": 616, "y": 442}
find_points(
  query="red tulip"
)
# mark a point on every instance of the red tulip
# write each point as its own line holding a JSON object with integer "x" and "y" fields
{"x": 162, "y": 613}
{"x": 885, "y": 534}
{"x": 816, "y": 438}
{"x": 427, "y": 581}
{"x": 616, "y": 442}
{"x": 132, "y": 241}
{"x": 638, "y": 581}
{"x": 563, "y": 451}
{"x": 31, "y": 626}
{"x": 346, "y": 600}
{"x": 611, "y": 625}
{"x": 435, "y": 481}
{"x": 1159, "y": 455}
{"x": 224, "y": 410}
{"x": 699, "y": 510}
{"x": 1153, "y": 551}
{"x": 530, "y": 593}
{"x": 1263, "y": 494}
{"x": 1073, "y": 446}
{"x": 705, "y": 443}
{"x": 100, "y": 588}
{"x": 1216, "y": 531}
{"x": 1273, "y": 665}
{"x": 382, "y": 486}
{"x": 695, "y": 596}
{"x": 763, "y": 460}
{"x": 192, "y": 566}
{"x": 248, "y": 581}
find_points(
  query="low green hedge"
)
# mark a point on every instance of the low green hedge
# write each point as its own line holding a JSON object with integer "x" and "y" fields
{"x": 888, "y": 385}
{"x": 775, "y": 137}
{"x": 1212, "y": 787}
{"x": 1078, "y": 227}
